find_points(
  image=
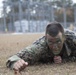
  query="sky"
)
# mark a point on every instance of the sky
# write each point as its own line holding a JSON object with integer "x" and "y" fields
{"x": 74, "y": 1}
{"x": 1, "y": 3}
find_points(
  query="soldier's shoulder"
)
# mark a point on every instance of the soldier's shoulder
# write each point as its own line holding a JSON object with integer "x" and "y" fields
{"x": 41, "y": 41}
{"x": 68, "y": 32}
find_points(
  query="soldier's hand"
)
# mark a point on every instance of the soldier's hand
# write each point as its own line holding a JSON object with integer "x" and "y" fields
{"x": 57, "y": 59}
{"x": 19, "y": 66}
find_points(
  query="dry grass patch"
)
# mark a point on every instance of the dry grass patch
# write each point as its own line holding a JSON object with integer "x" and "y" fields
{"x": 11, "y": 44}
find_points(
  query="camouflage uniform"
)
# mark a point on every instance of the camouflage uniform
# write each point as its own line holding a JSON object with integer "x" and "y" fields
{"x": 39, "y": 51}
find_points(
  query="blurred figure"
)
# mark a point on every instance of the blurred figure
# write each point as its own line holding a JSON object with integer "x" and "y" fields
{"x": 71, "y": 27}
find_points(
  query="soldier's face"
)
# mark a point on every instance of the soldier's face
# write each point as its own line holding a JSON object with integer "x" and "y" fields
{"x": 55, "y": 43}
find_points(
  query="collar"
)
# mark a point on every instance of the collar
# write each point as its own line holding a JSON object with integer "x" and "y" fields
{"x": 68, "y": 50}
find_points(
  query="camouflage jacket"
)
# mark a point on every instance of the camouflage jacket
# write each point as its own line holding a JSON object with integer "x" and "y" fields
{"x": 40, "y": 52}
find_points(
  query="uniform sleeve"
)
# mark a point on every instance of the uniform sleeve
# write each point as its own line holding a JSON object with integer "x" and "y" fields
{"x": 30, "y": 54}
{"x": 11, "y": 61}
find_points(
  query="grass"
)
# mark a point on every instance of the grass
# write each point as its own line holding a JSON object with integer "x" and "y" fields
{"x": 11, "y": 44}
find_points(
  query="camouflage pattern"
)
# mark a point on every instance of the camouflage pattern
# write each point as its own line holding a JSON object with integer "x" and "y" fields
{"x": 40, "y": 52}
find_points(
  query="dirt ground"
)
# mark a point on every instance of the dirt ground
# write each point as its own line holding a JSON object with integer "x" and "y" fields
{"x": 11, "y": 44}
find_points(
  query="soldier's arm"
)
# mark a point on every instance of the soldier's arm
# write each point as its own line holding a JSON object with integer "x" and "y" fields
{"x": 30, "y": 54}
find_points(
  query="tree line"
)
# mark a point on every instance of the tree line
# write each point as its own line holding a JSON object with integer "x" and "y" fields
{"x": 40, "y": 6}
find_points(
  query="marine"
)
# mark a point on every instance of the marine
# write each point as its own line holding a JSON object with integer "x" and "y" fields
{"x": 56, "y": 46}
